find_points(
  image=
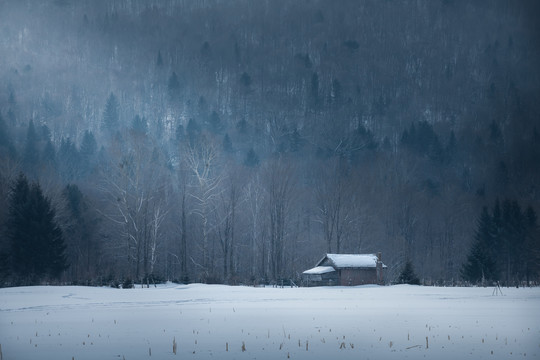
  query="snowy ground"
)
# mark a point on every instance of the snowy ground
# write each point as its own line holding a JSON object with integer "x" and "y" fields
{"x": 221, "y": 322}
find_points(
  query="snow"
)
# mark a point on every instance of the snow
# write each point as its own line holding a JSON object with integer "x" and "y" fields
{"x": 353, "y": 260}
{"x": 319, "y": 270}
{"x": 219, "y": 322}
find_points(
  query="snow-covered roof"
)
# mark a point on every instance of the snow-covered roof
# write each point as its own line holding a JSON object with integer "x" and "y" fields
{"x": 318, "y": 270}
{"x": 350, "y": 260}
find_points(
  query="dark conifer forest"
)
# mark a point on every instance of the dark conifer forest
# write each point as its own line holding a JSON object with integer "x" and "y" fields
{"x": 238, "y": 141}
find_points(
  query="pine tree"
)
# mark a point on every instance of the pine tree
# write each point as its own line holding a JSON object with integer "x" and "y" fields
{"x": 69, "y": 161}
{"x": 245, "y": 80}
{"x": 227, "y": 144}
{"x": 251, "y": 160}
{"x": 6, "y": 145}
{"x": 480, "y": 264}
{"x": 88, "y": 146}
{"x": 31, "y": 154}
{"x": 79, "y": 227}
{"x": 214, "y": 123}
{"x": 110, "y": 114}
{"x": 173, "y": 85}
{"x": 36, "y": 241}
{"x": 48, "y": 158}
{"x": 159, "y": 61}
{"x": 87, "y": 153}
{"x": 19, "y": 240}
{"x": 407, "y": 275}
{"x": 532, "y": 245}
{"x": 193, "y": 131}
{"x": 139, "y": 126}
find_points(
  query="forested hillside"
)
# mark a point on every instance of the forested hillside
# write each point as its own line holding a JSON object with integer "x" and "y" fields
{"x": 239, "y": 141}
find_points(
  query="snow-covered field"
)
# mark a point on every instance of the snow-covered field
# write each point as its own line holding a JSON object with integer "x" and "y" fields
{"x": 222, "y": 322}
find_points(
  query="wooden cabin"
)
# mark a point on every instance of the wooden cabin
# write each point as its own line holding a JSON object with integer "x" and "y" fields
{"x": 346, "y": 270}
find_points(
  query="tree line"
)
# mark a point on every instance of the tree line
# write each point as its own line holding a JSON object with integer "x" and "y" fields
{"x": 177, "y": 141}
{"x": 506, "y": 246}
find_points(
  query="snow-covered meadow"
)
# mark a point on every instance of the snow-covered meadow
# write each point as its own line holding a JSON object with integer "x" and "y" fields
{"x": 221, "y": 322}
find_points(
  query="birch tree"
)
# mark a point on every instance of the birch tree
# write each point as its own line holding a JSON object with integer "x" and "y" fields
{"x": 202, "y": 160}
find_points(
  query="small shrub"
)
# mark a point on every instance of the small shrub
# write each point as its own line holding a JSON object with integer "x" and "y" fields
{"x": 127, "y": 284}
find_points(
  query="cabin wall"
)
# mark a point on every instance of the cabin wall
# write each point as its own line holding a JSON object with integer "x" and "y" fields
{"x": 352, "y": 277}
{"x": 327, "y": 279}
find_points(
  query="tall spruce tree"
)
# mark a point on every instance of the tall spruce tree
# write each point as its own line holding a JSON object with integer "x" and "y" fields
{"x": 36, "y": 242}
{"x": 31, "y": 153}
{"x": 69, "y": 160}
{"x": 480, "y": 265}
{"x": 532, "y": 245}
{"x": 111, "y": 114}
{"x": 79, "y": 227}
{"x": 6, "y": 145}
{"x": 87, "y": 152}
{"x": 407, "y": 275}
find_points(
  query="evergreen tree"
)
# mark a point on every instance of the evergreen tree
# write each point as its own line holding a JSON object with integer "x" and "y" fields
{"x": 80, "y": 227}
{"x": 180, "y": 133}
{"x": 159, "y": 61}
{"x": 31, "y": 154}
{"x": 88, "y": 146}
{"x": 251, "y": 160}
{"x": 214, "y": 123}
{"x": 36, "y": 242}
{"x": 69, "y": 161}
{"x": 87, "y": 152}
{"x": 480, "y": 264}
{"x": 422, "y": 139}
{"x": 451, "y": 148}
{"x": 6, "y": 145}
{"x": 193, "y": 131}
{"x": 242, "y": 126}
{"x": 532, "y": 245}
{"x": 173, "y": 85}
{"x": 407, "y": 275}
{"x": 16, "y": 230}
{"x": 245, "y": 80}
{"x": 111, "y": 114}
{"x": 227, "y": 144}
{"x": 48, "y": 158}
{"x": 139, "y": 126}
